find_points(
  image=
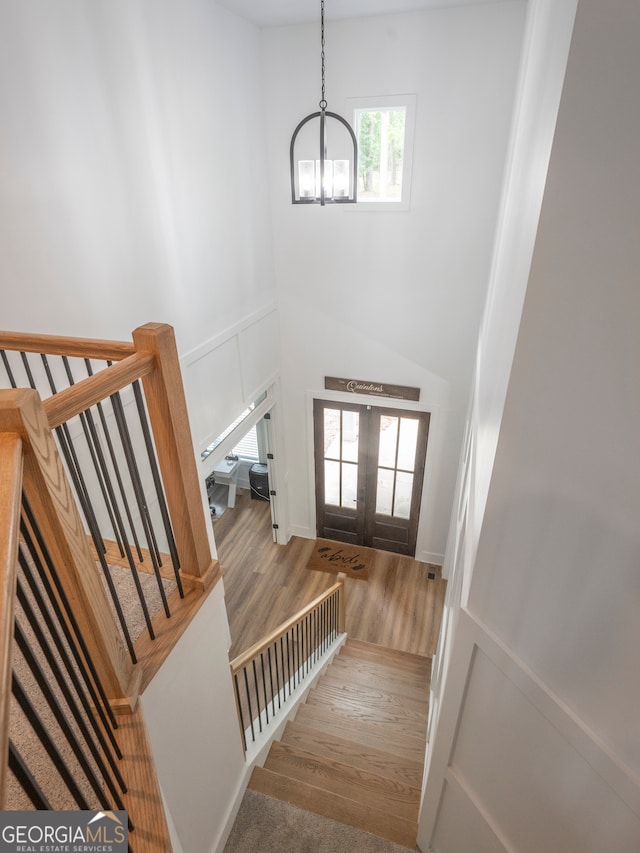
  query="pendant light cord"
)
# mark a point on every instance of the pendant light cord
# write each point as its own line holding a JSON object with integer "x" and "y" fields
{"x": 323, "y": 103}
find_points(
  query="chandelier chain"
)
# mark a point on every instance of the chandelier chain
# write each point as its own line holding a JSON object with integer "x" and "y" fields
{"x": 324, "y": 179}
{"x": 323, "y": 102}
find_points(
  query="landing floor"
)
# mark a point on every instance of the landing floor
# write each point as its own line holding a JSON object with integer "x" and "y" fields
{"x": 399, "y": 606}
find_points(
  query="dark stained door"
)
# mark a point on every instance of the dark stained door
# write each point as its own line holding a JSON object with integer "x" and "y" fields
{"x": 369, "y": 464}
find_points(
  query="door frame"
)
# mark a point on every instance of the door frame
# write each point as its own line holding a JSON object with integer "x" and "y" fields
{"x": 430, "y": 468}
{"x": 272, "y": 407}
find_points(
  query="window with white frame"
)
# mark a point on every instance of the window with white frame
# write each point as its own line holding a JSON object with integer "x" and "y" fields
{"x": 247, "y": 445}
{"x": 384, "y": 129}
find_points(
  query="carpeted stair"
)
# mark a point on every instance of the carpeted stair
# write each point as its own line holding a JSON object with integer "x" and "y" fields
{"x": 355, "y": 751}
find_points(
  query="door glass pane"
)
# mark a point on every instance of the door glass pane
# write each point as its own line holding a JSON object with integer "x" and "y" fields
{"x": 332, "y": 433}
{"x": 407, "y": 443}
{"x": 404, "y": 487}
{"x": 384, "y": 497}
{"x": 331, "y": 482}
{"x": 349, "y": 485}
{"x": 350, "y": 431}
{"x": 388, "y": 441}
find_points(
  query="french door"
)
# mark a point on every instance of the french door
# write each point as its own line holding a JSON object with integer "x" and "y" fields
{"x": 369, "y": 465}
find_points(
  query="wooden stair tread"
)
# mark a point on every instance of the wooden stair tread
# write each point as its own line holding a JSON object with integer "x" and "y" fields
{"x": 355, "y": 751}
{"x": 380, "y": 711}
{"x": 362, "y": 756}
{"x": 364, "y": 787}
{"x": 403, "y": 745}
{"x": 398, "y": 660}
{"x": 334, "y": 806}
{"x": 324, "y": 716}
{"x": 378, "y": 694}
{"x": 363, "y": 671}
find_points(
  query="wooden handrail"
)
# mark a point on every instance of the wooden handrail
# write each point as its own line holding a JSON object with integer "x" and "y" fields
{"x": 246, "y": 657}
{"x": 10, "y": 491}
{"x": 51, "y": 500}
{"x": 74, "y": 347}
{"x": 69, "y": 402}
{"x": 152, "y": 358}
{"x": 30, "y": 463}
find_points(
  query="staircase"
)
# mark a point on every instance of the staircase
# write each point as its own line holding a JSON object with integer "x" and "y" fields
{"x": 355, "y": 751}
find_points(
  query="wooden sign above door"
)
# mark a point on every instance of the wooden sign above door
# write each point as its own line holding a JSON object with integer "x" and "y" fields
{"x": 374, "y": 389}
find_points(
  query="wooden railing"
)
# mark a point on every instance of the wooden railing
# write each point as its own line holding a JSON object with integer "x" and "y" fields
{"x": 121, "y": 471}
{"x": 52, "y": 538}
{"x": 10, "y": 489}
{"x": 152, "y": 358}
{"x": 267, "y": 675}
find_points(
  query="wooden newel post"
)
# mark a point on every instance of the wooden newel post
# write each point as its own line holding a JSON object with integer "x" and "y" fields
{"x": 167, "y": 406}
{"x": 51, "y": 499}
{"x": 342, "y": 604}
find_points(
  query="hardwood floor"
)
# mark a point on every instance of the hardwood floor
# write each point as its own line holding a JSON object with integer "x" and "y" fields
{"x": 399, "y": 606}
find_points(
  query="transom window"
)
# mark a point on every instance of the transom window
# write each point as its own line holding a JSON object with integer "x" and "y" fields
{"x": 384, "y": 130}
{"x": 380, "y": 134}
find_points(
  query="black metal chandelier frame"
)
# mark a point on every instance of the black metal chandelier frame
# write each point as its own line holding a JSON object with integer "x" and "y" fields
{"x": 323, "y": 114}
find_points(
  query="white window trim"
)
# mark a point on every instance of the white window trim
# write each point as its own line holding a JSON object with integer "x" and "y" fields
{"x": 228, "y": 443}
{"x": 409, "y": 101}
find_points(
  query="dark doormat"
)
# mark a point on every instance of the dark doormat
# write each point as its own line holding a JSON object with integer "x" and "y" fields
{"x": 334, "y": 557}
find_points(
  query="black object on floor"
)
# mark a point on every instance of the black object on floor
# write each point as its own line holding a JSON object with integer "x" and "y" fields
{"x": 259, "y": 482}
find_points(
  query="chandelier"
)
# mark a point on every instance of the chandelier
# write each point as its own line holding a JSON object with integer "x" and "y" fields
{"x": 323, "y": 154}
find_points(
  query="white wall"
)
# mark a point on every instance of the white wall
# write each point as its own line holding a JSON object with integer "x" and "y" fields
{"x": 132, "y": 182}
{"x": 225, "y": 374}
{"x": 534, "y": 742}
{"x": 132, "y": 189}
{"x": 193, "y": 729}
{"x": 393, "y": 296}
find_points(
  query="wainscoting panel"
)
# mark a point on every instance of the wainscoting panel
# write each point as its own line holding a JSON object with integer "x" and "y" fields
{"x": 223, "y": 375}
{"x": 259, "y": 353}
{"x": 459, "y": 820}
{"x": 214, "y": 391}
{"x": 527, "y": 773}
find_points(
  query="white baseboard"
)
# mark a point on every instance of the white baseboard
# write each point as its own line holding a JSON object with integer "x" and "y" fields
{"x": 303, "y": 532}
{"x": 430, "y": 557}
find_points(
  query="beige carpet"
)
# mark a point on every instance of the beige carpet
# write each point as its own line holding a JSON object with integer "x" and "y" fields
{"x": 21, "y": 731}
{"x": 129, "y": 600}
{"x": 267, "y": 825}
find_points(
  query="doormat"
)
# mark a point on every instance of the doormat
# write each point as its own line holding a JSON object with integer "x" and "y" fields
{"x": 334, "y": 557}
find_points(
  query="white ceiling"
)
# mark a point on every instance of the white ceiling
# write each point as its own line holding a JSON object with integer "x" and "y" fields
{"x": 277, "y": 13}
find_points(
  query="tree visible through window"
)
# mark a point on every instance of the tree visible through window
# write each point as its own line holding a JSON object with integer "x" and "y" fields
{"x": 381, "y": 153}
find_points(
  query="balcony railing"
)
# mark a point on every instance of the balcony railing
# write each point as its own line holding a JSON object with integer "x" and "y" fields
{"x": 268, "y": 675}
{"x": 97, "y": 472}
{"x": 55, "y": 683}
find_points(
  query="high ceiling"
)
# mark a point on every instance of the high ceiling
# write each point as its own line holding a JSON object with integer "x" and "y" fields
{"x": 276, "y": 13}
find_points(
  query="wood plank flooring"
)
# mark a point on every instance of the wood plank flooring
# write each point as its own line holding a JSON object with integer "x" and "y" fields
{"x": 355, "y": 750}
{"x": 399, "y": 607}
